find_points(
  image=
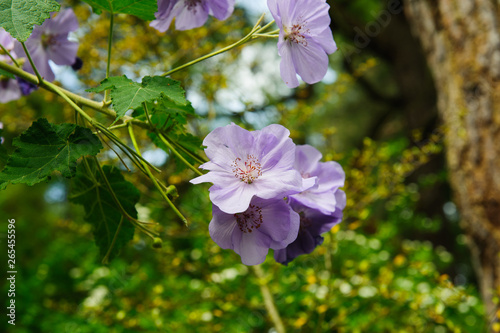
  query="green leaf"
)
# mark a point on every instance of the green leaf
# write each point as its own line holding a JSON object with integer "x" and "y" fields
{"x": 89, "y": 189}
{"x": 144, "y": 9}
{"x": 7, "y": 74}
{"x": 18, "y": 17}
{"x": 167, "y": 110}
{"x": 127, "y": 94}
{"x": 45, "y": 148}
{"x": 3, "y": 152}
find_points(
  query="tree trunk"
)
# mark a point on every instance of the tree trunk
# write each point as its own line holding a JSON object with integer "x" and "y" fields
{"x": 461, "y": 41}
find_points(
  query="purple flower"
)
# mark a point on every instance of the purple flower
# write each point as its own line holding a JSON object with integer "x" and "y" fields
{"x": 312, "y": 224}
{"x": 9, "y": 89}
{"x": 190, "y": 14}
{"x": 305, "y": 39}
{"x": 26, "y": 87}
{"x": 266, "y": 224}
{"x": 329, "y": 178}
{"x": 245, "y": 164}
{"x": 50, "y": 42}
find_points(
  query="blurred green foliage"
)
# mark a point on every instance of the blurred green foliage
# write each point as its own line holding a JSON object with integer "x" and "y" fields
{"x": 388, "y": 267}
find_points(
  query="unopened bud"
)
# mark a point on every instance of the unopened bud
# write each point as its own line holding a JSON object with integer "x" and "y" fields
{"x": 157, "y": 243}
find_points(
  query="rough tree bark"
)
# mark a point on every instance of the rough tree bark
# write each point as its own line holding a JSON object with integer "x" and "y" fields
{"x": 461, "y": 41}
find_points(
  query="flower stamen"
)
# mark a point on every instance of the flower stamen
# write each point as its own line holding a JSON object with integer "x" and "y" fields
{"x": 297, "y": 33}
{"x": 191, "y": 4}
{"x": 250, "y": 219}
{"x": 247, "y": 171}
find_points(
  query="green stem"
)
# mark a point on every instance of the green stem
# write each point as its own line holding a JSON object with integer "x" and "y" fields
{"x": 98, "y": 106}
{"x": 114, "y": 151}
{"x": 268, "y": 300}
{"x": 110, "y": 41}
{"x": 153, "y": 178}
{"x": 255, "y": 30}
{"x": 165, "y": 141}
{"x": 124, "y": 213}
{"x": 39, "y": 77}
{"x": 105, "y": 260}
{"x": 134, "y": 157}
{"x": 192, "y": 155}
{"x": 266, "y": 35}
{"x": 117, "y": 126}
{"x": 267, "y": 26}
{"x": 148, "y": 118}
{"x": 176, "y": 153}
{"x": 82, "y": 113}
{"x": 10, "y": 55}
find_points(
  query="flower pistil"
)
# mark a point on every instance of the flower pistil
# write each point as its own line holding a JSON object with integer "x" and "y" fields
{"x": 247, "y": 171}
{"x": 250, "y": 219}
{"x": 297, "y": 33}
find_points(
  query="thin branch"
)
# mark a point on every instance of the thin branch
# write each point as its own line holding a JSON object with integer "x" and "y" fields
{"x": 257, "y": 29}
{"x": 268, "y": 300}
{"x": 108, "y": 65}
{"x": 10, "y": 55}
{"x": 153, "y": 178}
{"x": 39, "y": 77}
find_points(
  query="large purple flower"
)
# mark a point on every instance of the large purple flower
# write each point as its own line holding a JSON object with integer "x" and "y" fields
{"x": 266, "y": 224}
{"x": 190, "y": 14}
{"x": 329, "y": 178}
{"x": 312, "y": 224}
{"x": 50, "y": 42}
{"x": 245, "y": 164}
{"x": 9, "y": 88}
{"x": 305, "y": 39}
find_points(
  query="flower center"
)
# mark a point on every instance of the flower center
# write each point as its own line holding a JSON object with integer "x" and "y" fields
{"x": 247, "y": 171}
{"x": 48, "y": 40}
{"x": 250, "y": 219}
{"x": 297, "y": 33}
{"x": 191, "y": 4}
{"x": 4, "y": 82}
{"x": 305, "y": 222}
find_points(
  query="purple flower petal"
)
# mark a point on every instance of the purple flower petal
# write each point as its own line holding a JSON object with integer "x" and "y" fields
{"x": 265, "y": 224}
{"x": 271, "y": 184}
{"x": 245, "y": 164}
{"x": 9, "y": 90}
{"x": 305, "y": 39}
{"x": 232, "y": 198}
{"x": 326, "y": 41}
{"x": 63, "y": 51}
{"x": 274, "y": 9}
{"x": 26, "y": 87}
{"x": 50, "y": 42}
{"x": 329, "y": 176}
{"x": 311, "y": 61}
{"x": 8, "y": 42}
{"x": 64, "y": 22}
{"x": 306, "y": 159}
{"x": 252, "y": 248}
{"x": 287, "y": 66}
{"x": 164, "y": 15}
{"x": 312, "y": 224}
{"x": 221, "y": 9}
{"x": 190, "y": 14}
{"x": 221, "y": 228}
